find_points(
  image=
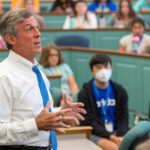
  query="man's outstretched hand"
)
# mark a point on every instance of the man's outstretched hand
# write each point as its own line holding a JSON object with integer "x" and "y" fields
{"x": 76, "y": 108}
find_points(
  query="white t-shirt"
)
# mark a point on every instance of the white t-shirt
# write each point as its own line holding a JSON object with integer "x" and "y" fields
{"x": 126, "y": 41}
{"x": 81, "y": 22}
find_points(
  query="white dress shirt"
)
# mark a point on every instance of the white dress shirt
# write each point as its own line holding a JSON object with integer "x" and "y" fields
{"x": 20, "y": 103}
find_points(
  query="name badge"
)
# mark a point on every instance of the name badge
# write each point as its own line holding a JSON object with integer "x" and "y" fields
{"x": 109, "y": 127}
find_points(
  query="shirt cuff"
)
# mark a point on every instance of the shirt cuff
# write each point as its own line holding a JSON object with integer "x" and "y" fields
{"x": 31, "y": 127}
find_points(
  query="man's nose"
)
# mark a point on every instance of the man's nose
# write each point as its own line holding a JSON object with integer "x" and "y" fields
{"x": 37, "y": 32}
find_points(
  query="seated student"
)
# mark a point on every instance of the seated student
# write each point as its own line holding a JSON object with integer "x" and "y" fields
{"x": 20, "y": 4}
{"x": 103, "y": 6}
{"x": 124, "y": 15}
{"x": 142, "y": 6}
{"x": 1, "y": 9}
{"x": 137, "y": 42}
{"x": 81, "y": 18}
{"x": 106, "y": 103}
{"x": 29, "y": 4}
{"x": 63, "y": 6}
{"x": 52, "y": 63}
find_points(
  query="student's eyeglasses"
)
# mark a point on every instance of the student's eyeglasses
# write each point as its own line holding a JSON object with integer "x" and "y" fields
{"x": 52, "y": 55}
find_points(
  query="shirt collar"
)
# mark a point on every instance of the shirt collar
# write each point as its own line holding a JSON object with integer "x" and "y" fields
{"x": 21, "y": 60}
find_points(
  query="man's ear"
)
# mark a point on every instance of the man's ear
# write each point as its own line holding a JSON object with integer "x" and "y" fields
{"x": 11, "y": 39}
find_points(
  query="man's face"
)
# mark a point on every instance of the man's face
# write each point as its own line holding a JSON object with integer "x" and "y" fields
{"x": 27, "y": 43}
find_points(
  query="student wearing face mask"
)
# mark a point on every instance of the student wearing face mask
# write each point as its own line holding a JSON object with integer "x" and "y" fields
{"x": 106, "y": 103}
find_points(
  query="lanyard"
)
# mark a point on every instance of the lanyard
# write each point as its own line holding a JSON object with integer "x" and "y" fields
{"x": 98, "y": 97}
{"x": 103, "y": 7}
{"x": 139, "y": 42}
{"x": 57, "y": 72}
{"x": 79, "y": 23}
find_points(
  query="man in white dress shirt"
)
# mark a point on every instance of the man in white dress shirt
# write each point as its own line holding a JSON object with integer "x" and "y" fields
{"x": 24, "y": 122}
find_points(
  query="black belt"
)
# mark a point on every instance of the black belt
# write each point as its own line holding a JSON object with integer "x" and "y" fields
{"x": 23, "y": 147}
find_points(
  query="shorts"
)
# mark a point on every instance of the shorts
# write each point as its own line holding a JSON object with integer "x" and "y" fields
{"x": 94, "y": 138}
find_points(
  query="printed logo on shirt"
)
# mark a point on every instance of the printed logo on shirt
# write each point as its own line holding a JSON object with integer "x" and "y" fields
{"x": 111, "y": 102}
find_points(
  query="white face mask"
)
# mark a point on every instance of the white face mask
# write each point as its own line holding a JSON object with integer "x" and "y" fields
{"x": 103, "y": 75}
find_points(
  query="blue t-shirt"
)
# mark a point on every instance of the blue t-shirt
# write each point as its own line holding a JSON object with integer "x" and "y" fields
{"x": 109, "y": 105}
{"x": 110, "y": 6}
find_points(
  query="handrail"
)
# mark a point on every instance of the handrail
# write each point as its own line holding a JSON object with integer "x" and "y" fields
{"x": 53, "y": 76}
{"x": 77, "y": 130}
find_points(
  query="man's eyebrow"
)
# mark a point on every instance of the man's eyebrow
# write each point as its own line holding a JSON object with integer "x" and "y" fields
{"x": 31, "y": 25}
{"x": 27, "y": 25}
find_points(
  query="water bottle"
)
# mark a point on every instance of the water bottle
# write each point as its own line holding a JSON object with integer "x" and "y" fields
{"x": 102, "y": 21}
{"x": 72, "y": 22}
{"x": 135, "y": 44}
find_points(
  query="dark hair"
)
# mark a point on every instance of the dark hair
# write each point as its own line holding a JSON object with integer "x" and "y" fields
{"x": 132, "y": 13}
{"x": 45, "y": 54}
{"x": 100, "y": 59}
{"x": 63, "y": 5}
{"x": 138, "y": 20}
{"x": 74, "y": 11}
{"x": 98, "y": 1}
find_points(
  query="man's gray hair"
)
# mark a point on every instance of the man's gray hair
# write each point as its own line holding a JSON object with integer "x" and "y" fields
{"x": 9, "y": 21}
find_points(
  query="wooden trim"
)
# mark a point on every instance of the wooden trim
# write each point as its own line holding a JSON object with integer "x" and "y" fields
{"x": 78, "y": 130}
{"x": 94, "y": 50}
{"x": 4, "y": 49}
{"x": 53, "y": 76}
{"x": 97, "y": 29}
{"x": 9, "y": 1}
{"x": 53, "y": 14}
{"x": 112, "y": 52}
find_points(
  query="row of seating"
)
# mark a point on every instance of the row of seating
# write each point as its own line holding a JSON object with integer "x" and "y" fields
{"x": 130, "y": 70}
{"x": 99, "y": 38}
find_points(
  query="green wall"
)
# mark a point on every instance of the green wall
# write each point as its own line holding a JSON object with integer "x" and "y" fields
{"x": 99, "y": 38}
{"x": 133, "y": 72}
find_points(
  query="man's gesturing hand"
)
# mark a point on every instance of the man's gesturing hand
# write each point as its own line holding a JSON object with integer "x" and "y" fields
{"x": 52, "y": 121}
{"x": 75, "y": 107}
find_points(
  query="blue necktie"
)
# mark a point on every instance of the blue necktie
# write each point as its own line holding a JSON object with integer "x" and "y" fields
{"x": 45, "y": 97}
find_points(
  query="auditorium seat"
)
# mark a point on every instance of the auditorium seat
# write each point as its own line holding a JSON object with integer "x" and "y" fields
{"x": 72, "y": 40}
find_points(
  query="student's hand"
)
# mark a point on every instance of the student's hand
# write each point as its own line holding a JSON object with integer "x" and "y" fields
{"x": 75, "y": 107}
{"x": 116, "y": 139}
{"x": 54, "y": 121}
{"x": 144, "y": 9}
